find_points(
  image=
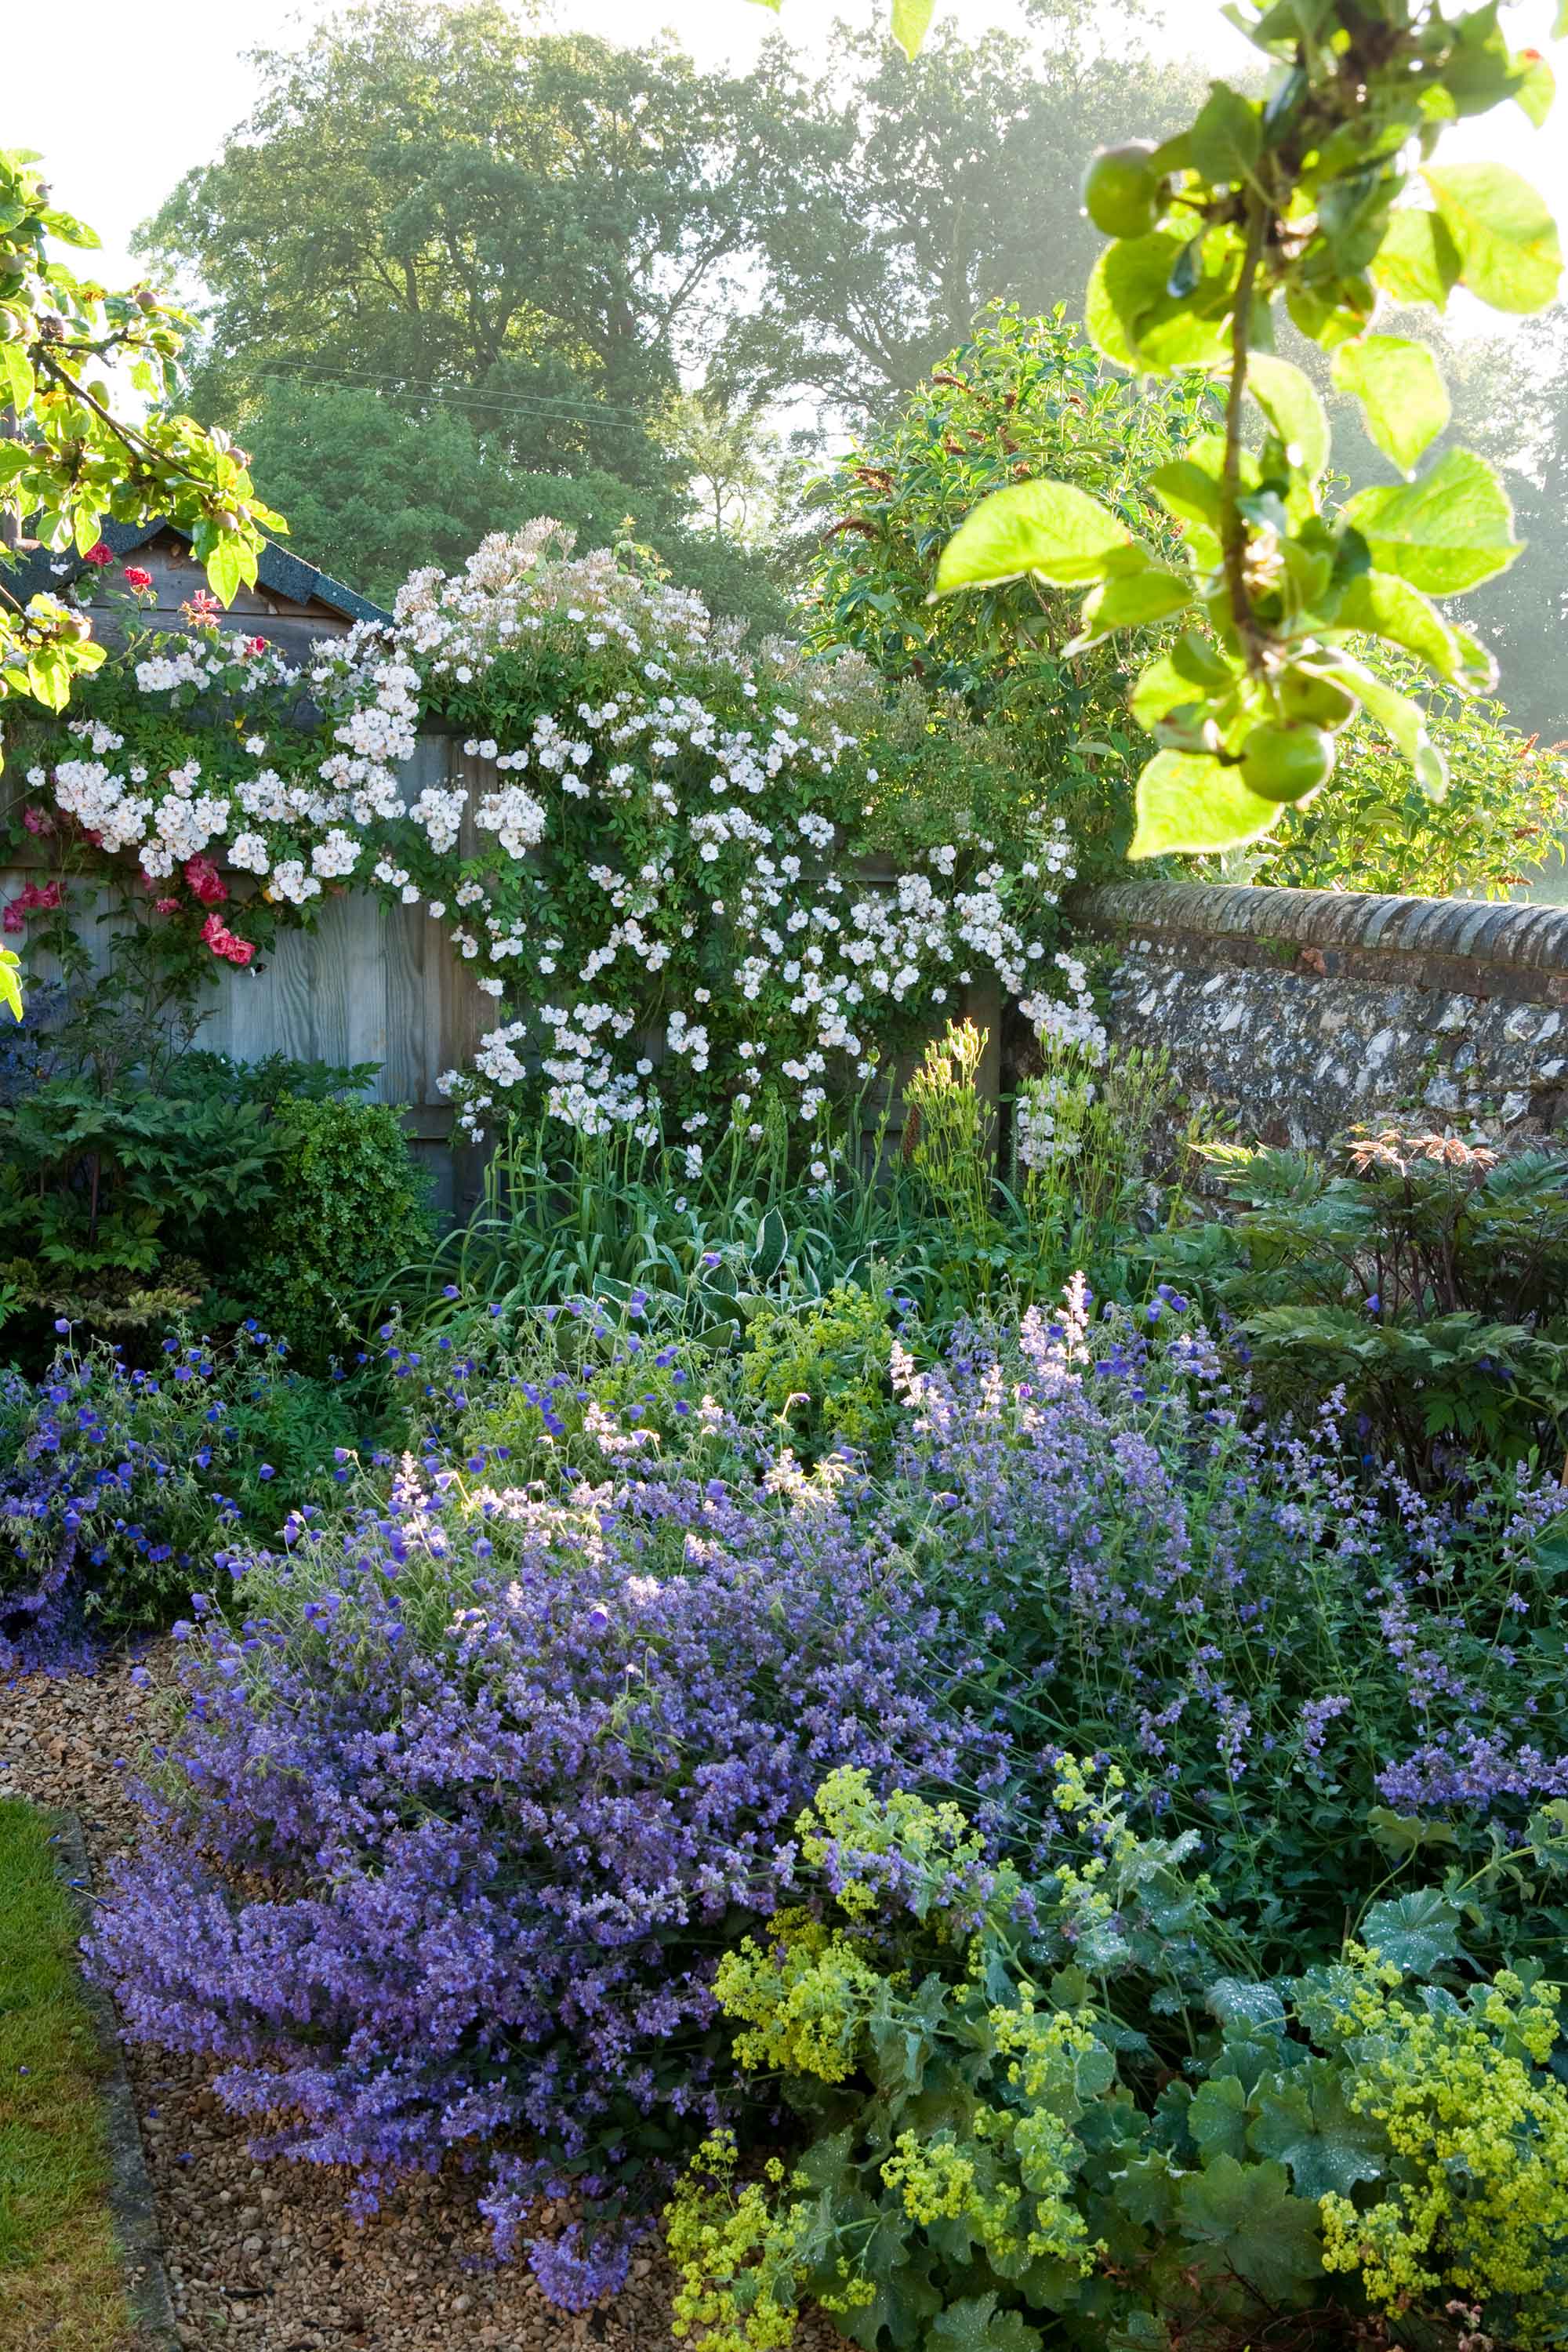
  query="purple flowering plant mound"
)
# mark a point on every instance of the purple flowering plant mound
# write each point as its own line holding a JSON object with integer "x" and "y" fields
{"x": 464, "y": 1810}
{"x": 479, "y": 1779}
{"x": 116, "y": 1482}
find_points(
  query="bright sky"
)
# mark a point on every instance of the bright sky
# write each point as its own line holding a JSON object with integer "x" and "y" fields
{"x": 121, "y": 101}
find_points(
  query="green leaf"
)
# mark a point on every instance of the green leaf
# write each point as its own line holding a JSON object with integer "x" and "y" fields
{"x": 911, "y": 23}
{"x": 1191, "y": 672}
{"x": 1188, "y": 492}
{"x": 1133, "y": 317}
{"x": 1130, "y": 278}
{"x": 1538, "y": 86}
{"x": 1047, "y": 528}
{"x": 1290, "y": 403}
{"x": 10, "y": 985}
{"x": 1187, "y": 800}
{"x": 1417, "y": 260}
{"x": 1246, "y": 2211}
{"x": 1417, "y": 1931}
{"x": 226, "y": 569}
{"x": 1404, "y": 400}
{"x": 1399, "y": 1835}
{"x": 773, "y": 1246}
{"x": 1226, "y": 138}
{"x": 1306, "y": 2121}
{"x": 1376, "y": 604}
{"x": 1403, "y": 721}
{"x": 16, "y": 378}
{"x": 1218, "y": 2118}
{"x": 1151, "y": 595}
{"x": 969, "y": 2326}
{"x": 1505, "y": 236}
{"x": 1446, "y": 532}
{"x": 1237, "y": 2001}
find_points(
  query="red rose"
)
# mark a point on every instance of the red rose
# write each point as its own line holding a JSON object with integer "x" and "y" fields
{"x": 36, "y": 821}
{"x": 205, "y": 881}
{"x": 136, "y": 578}
{"x": 240, "y": 951}
{"x": 256, "y": 644}
{"x": 165, "y": 906}
{"x": 13, "y": 918}
{"x": 99, "y": 555}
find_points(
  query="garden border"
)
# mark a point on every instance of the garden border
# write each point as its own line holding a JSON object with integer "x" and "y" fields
{"x": 131, "y": 2203}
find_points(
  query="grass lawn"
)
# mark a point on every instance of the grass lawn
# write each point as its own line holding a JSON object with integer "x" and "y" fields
{"x": 61, "y": 2282}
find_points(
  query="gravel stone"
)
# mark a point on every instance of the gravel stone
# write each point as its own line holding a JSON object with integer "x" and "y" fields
{"x": 267, "y": 2255}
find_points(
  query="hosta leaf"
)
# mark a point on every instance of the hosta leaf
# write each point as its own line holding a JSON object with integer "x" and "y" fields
{"x": 1047, "y": 528}
{"x": 1189, "y": 801}
{"x": 1306, "y": 2121}
{"x": 1246, "y": 2211}
{"x": 1446, "y": 532}
{"x": 975, "y": 2324}
{"x": 1404, "y": 400}
{"x": 1417, "y": 260}
{"x": 1289, "y": 400}
{"x": 1503, "y": 232}
{"x": 1417, "y": 1931}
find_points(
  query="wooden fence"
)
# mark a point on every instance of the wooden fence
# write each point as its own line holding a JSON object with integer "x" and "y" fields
{"x": 377, "y": 984}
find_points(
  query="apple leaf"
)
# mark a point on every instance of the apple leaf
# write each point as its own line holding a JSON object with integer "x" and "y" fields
{"x": 1404, "y": 400}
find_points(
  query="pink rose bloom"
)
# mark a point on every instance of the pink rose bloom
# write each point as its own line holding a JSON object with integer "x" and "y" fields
{"x": 240, "y": 951}
{"x": 36, "y": 821}
{"x": 98, "y": 556}
{"x": 13, "y": 920}
{"x": 256, "y": 644}
{"x": 205, "y": 881}
{"x": 165, "y": 906}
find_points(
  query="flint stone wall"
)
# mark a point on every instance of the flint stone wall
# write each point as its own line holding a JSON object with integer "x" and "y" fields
{"x": 1295, "y": 1015}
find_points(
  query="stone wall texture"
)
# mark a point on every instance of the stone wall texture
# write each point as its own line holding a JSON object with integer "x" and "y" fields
{"x": 1296, "y": 1015}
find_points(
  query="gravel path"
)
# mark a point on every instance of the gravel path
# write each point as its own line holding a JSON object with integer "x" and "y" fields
{"x": 264, "y": 2257}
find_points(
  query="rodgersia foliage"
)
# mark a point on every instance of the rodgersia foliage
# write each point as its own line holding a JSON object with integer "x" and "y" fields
{"x": 1322, "y": 198}
{"x": 702, "y": 888}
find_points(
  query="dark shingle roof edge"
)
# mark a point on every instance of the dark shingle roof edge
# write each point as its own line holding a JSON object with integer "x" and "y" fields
{"x": 285, "y": 575}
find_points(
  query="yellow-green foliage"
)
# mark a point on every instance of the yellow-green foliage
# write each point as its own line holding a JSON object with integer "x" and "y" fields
{"x": 822, "y": 1369}
{"x": 1480, "y": 2137}
{"x": 59, "y": 2274}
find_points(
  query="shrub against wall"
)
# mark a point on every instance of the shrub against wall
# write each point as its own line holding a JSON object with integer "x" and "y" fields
{"x": 669, "y": 900}
{"x": 1027, "y": 397}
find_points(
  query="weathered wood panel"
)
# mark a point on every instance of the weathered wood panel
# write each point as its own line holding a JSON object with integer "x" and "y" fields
{"x": 374, "y": 984}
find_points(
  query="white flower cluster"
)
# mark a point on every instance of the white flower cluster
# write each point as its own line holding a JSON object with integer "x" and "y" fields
{"x": 656, "y": 912}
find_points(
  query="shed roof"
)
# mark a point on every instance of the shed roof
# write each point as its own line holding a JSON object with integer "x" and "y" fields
{"x": 43, "y": 571}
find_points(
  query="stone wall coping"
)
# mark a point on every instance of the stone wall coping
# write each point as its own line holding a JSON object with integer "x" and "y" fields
{"x": 1503, "y": 933}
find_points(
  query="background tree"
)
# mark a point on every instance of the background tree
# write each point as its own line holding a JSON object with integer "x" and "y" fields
{"x": 903, "y": 195}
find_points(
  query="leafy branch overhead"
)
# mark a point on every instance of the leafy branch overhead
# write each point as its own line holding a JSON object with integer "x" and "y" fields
{"x": 76, "y": 453}
{"x": 70, "y": 454}
{"x": 1322, "y": 196}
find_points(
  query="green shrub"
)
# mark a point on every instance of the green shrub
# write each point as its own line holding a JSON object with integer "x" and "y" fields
{"x": 821, "y": 1369}
{"x": 1426, "y": 1278}
{"x": 1046, "y": 2111}
{"x": 348, "y": 1208}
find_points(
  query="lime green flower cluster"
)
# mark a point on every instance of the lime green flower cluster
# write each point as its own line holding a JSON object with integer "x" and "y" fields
{"x": 823, "y": 1368}
{"x": 1480, "y": 2139}
{"x": 735, "y": 2254}
{"x": 805, "y": 1997}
